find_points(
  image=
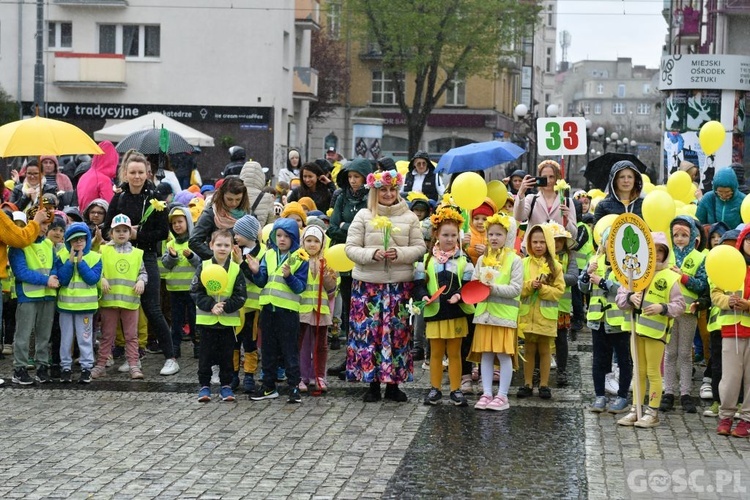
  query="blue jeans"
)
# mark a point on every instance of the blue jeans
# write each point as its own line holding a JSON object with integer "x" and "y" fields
{"x": 183, "y": 311}
{"x": 280, "y": 332}
{"x": 604, "y": 344}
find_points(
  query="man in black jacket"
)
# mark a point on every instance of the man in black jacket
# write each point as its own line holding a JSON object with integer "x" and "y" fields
{"x": 422, "y": 177}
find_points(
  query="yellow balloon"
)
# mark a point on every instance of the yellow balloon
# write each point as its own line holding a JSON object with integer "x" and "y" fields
{"x": 337, "y": 259}
{"x": 603, "y": 224}
{"x": 469, "y": 190}
{"x": 680, "y": 185}
{"x": 498, "y": 193}
{"x": 711, "y": 136}
{"x": 688, "y": 210}
{"x": 266, "y": 232}
{"x": 658, "y": 210}
{"x": 679, "y": 204}
{"x": 745, "y": 210}
{"x": 726, "y": 268}
{"x": 594, "y": 203}
{"x": 646, "y": 179}
{"x": 214, "y": 277}
{"x": 596, "y": 193}
{"x": 660, "y": 188}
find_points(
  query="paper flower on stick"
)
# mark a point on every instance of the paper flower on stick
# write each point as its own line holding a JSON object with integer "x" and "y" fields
{"x": 154, "y": 206}
{"x": 487, "y": 275}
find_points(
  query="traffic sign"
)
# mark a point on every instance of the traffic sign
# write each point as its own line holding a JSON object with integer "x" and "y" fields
{"x": 561, "y": 136}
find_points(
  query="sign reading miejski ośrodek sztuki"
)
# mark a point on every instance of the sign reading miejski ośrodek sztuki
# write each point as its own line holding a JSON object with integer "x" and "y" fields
{"x": 705, "y": 71}
{"x": 119, "y": 111}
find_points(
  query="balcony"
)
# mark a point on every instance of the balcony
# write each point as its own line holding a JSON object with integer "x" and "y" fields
{"x": 305, "y": 83}
{"x": 92, "y": 3}
{"x": 101, "y": 71}
{"x": 307, "y": 14}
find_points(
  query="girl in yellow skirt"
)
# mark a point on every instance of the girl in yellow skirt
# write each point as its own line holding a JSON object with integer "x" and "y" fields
{"x": 496, "y": 317}
{"x": 446, "y": 318}
{"x": 543, "y": 287}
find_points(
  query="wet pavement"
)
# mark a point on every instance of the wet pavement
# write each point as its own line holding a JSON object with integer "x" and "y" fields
{"x": 117, "y": 438}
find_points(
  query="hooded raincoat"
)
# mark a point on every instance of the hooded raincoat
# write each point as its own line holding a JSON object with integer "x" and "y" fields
{"x": 97, "y": 181}
{"x": 698, "y": 283}
{"x": 611, "y": 204}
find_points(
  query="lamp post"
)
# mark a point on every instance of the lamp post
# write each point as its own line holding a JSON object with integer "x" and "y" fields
{"x": 634, "y": 147}
{"x": 613, "y": 137}
{"x": 521, "y": 112}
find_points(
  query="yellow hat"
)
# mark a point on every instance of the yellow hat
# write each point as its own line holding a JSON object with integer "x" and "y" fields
{"x": 296, "y": 209}
{"x": 10, "y": 184}
{"x": 308, "y": 203}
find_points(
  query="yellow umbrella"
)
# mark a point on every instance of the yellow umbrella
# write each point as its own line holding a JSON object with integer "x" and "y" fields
{"x": 44, "y": 136}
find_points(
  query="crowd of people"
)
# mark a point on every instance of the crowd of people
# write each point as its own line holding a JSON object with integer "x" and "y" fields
{"x": 98, "y": 270}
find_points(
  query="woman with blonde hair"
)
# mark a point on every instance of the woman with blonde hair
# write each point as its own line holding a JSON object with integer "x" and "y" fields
{"x": 544, "y": 206}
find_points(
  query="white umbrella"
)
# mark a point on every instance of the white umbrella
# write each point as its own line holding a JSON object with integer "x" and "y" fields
{"x": 118, "y": 132}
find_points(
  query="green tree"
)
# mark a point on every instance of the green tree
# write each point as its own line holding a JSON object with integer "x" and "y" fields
{"x": 8, "y": 108}
{"x": 432, "y": 40}
{"x": 328, "y": 56}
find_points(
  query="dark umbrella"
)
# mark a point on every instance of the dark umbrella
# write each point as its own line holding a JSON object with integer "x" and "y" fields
{"x": 597, "y": 170}
{"x": 147, "y": 142}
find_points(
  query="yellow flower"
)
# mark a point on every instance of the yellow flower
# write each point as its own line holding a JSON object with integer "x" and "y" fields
{"x": 487, "y": 275}
{"x": 489, "y": 261}
{"x": 381, "y": 222}
{"x": 303, "y": 255}
{"x": 158, "y": 205}
{"x": 561, "y": 185}
{"x": 544, "y": 269}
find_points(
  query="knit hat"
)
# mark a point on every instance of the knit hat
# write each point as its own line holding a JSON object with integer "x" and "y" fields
{"x": 316, "y": 221}
{"x": 308, "y": 203}
{"x": 314, "y": 231}
{"x": 207, "y": 187}
{"x": 73, "y": 213}
{"x": 57, "y": 223}
{"x": 247, "y": 226}
{"x": 483, "y": 209}
{"x": 317, "y": 213}
{"x": 50, "y": 157}
{"x": 294, "y": 208}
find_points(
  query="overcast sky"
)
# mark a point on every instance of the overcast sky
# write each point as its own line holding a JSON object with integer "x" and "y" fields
{"x": 608, "y": 29}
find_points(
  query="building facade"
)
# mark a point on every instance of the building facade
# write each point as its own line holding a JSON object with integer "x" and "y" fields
{"x": 239, "y": 73}
{"x": 474, "y": 109}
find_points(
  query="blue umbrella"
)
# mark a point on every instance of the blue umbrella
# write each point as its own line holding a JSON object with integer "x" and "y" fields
{"x": 478, "y": 156}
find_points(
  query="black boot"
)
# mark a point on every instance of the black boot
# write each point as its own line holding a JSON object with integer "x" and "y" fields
{"x": 688, "y": 405}
{"x": 393, "y": 393}
{"x": 373, "y": 393}
{"x": 334, "y": 343}
{"x": 667, "y": 402}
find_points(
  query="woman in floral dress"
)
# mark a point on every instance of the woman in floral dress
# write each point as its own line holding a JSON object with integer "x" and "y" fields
{"x": 384, "y": 241}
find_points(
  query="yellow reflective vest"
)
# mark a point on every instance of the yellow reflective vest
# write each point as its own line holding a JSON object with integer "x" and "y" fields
{"x": 121, "y": 271}
{"x": 79, "y": 295}
{"x": 181, "y": 275}
{"x": 432, "y": 285}
{"x": 206, "y": 318}
{"x": 655, "y": 326}
{"x": 500, "y": 307}
{"x": 599, "y": 305}
{"x": 253, "y": 290}
{"x": 39, "y": 257}
{"x": 690, "y": 265}
{"x": 277, "y": 292}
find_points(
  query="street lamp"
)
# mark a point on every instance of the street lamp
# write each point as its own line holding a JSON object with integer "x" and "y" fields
{"x": 521, "y": 112}
{"x": 552, "y": 110}
{"x": 634, "y": 147}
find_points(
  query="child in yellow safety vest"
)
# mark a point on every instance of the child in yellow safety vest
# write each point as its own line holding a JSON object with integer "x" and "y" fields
{"x": 496, "y": 317}
{"x": 655, "y": 308}
{"x": 605, "y": 320}
{"x": 180, "y": 263}
{"x": 564, "y": 242}
{"x": 446, "y": 323}
{"x": 543, "y": 287}
{"x": 78, "y": 300}
{"x": 217, "y": 315}
{"x": 315, "y": 312}
{"x": 688, "y": 262}
{"x": 124, "y": 279}
{"x": 246, "y": 232}
{"x": 282, "y": 273}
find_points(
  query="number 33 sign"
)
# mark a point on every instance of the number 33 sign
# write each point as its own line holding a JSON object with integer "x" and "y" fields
{"x": 561, "y": 136}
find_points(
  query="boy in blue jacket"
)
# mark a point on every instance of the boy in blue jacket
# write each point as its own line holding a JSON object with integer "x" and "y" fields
{"x": 282, "y": 273}
{"x": 35, "y": 268}
{"x": 78, "y": 300}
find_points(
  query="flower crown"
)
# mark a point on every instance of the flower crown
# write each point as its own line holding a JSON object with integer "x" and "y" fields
{"x": 388, "y": 178}
{"x": 445, "y": 213}
{"x": 557, "y": 230}
{"x": 501, "y": 219}
{"x": 416, "y": 195}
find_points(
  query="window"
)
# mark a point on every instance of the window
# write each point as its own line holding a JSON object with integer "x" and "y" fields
{"x": 600, "y": 89}
{"x": 334, "y": 20}
{"x": 456, "y": 93}
{"x": 586, "y": 108}
{"x": 130, "y": 40}
{"x": 643, "y": 108}
{"x": 550, "y": 15}
{"x": 285, "y": 56}
{"x": 618, "y": 108}
{"x": 383, "y": 88}
{"x": 598, "y": 108}
{"x": 621, "y": 90}
{"x": 59, "y": 35}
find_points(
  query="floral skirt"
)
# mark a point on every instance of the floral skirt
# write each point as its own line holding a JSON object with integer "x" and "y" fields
{"x": 379, "y": 333}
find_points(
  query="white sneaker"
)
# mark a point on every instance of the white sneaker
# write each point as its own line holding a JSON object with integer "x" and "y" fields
{"x": 110, "y": 362}
{"x": 215, "y": 375}
{"x": 425, "y": 365}
{"x": 170, "y": 367}
{"x": 611, "y": 383}
{"x": 706, "y": 392}
{"x": 125, "y": 367}
{"x": 552, "y": 363}
{"x": 8, "y": 349}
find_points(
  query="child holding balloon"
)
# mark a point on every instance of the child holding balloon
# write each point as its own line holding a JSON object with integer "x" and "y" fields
{"x": 543, "y": 287}
{"x": 723, "y": 266}
{"x": 218, "y": 290}
{"x": 496, "y": 317}
{"x": 445, "y": 266}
